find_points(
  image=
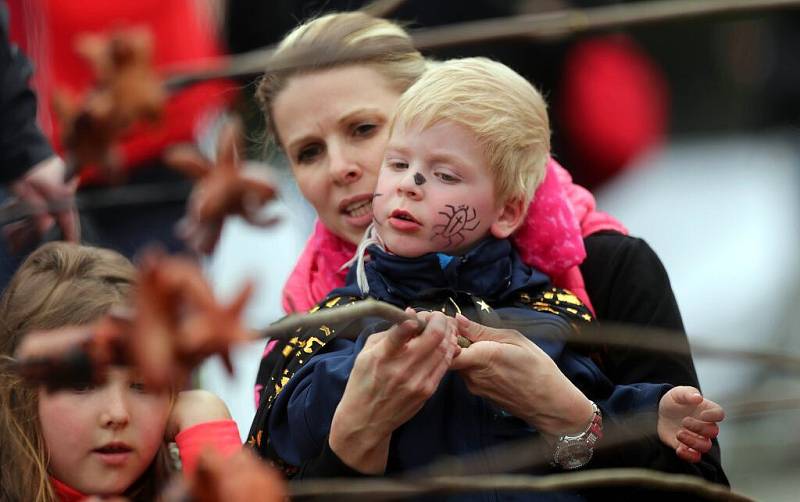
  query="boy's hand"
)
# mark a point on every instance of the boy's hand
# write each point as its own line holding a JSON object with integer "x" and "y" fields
{"x": 687, "y": 422}
{"x": 194, "y": 407}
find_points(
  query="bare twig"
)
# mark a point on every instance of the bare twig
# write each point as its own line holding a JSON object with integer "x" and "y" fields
{"x": 547, "y": 26}
{"x": 382, "y": 8}
{"x": 288, "y": 326}
{"x": 370, "y": 489}
{"x": 589, "y": 335}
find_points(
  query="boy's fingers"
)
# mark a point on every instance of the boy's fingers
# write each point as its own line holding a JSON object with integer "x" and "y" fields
{"x": 694, "y": 441}
{"x": 687, "y": 395}
{"x": 706, "y": 429}
{"x": 688, "y": 454}
{"x": 713, "y": 414}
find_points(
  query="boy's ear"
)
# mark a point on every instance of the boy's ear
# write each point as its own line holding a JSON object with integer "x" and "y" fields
{"x": 510, "y": 216}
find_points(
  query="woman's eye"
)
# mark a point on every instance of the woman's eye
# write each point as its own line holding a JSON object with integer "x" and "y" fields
{"x": 307, "y": 154}
{"x": 364, "y": 130}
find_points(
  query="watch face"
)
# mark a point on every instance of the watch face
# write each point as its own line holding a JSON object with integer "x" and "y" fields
{"x": 573, "y": 454}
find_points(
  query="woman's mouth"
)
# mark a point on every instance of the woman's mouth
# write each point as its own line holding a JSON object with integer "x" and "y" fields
{"x": 358, "y": 210}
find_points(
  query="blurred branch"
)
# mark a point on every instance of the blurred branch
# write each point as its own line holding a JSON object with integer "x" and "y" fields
{"x": 547, "y": 26}
{"x": 382, "y": 8}
{"x": 377, "y": 489}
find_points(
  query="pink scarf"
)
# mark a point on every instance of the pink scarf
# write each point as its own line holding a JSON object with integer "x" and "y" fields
{"x": 550, "y": 239}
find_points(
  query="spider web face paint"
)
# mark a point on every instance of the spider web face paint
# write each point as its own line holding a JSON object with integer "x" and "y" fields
{"x": 419, "y": 179}
{"x": 457, "y": 220}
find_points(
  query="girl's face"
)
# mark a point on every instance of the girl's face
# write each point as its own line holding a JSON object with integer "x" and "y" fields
{"x": 435, "y": 192}
{"x": 101, "y": 439}
{"x": 333, "y": 125}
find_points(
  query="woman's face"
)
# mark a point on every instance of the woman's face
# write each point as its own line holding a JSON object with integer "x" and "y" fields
{"x": 101, "y": 439}
{"x": 333, "y": 125}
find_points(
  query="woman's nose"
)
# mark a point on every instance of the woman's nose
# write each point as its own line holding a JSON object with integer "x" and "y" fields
{"x": 344, "y": 166}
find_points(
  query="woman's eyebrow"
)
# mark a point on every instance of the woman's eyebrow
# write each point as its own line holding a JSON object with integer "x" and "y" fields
{"x": 360, "y": 111}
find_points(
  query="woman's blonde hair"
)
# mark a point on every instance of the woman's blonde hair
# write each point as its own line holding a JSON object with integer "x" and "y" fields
{"x": 59, "y": 284}
{"x": 338, "y": 40}
{"x": 507, "y": 115}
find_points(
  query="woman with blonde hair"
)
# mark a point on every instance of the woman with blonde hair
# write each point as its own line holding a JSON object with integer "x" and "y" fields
{"x": 328, "y": 96}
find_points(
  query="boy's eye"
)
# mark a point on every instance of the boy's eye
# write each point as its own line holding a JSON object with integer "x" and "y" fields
{"x": 447, "y": 178}
{"x": 309, "y": 153}
{"x": 364, "y": 130}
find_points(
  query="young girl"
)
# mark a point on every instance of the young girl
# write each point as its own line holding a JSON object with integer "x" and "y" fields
{"x": 109, "y": 439}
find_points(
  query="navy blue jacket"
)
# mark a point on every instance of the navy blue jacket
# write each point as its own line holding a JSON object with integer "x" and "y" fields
{"x": 298, "y": 406}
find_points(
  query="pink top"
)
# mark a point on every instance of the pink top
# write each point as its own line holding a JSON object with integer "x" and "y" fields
{"x": 550, "y": 239}
{"x": 221, "y": 435}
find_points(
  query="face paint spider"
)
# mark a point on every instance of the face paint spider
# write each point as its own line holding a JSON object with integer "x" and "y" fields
{"x": 459, "y": 219}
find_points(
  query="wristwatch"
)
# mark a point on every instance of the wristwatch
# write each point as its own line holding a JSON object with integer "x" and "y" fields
{"x": 572, "y": 452}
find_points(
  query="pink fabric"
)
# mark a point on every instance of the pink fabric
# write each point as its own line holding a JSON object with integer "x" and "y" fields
{"x": 219, "y": 435}
{"x": 550, "y": 239}
{"x": 317, "y": 271}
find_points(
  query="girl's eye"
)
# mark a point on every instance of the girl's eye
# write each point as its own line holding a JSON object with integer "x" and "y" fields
{"x": 364, "y": 130}
{"x": 309, "y": 153}
{"x": 139, "y": 387}
{"x": 82, "y": 388}
{"x": 447, "y": 178}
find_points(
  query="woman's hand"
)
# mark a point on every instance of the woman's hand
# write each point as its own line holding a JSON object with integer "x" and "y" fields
{"x": 395, "y": 373}
{"x": 506, "y": 368}
{"x": 194, "y": 407}
{"x": 687, "y": 422}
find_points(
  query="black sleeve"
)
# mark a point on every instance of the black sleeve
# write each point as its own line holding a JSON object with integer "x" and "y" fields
{"x": 627, "y": 283}
{"x": 22, "y": 144}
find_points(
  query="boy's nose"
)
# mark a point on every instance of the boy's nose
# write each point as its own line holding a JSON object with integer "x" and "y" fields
{"x": 410, "y": 185}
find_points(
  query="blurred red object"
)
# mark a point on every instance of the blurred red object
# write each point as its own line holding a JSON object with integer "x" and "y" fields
{"x": 614, "y": 105}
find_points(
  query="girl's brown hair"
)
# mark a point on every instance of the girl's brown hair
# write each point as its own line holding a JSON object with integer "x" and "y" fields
{"x": 336, "y": 40}
{"x": 59, "y": 284}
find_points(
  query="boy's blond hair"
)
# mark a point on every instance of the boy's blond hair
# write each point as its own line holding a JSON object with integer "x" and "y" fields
{"x": 504, "y": 111}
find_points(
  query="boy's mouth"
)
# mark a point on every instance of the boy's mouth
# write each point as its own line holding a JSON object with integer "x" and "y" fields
{"x": 403, "y": 215}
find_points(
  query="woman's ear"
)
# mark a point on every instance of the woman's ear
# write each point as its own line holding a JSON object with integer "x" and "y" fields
{"x": 509, "y": 217}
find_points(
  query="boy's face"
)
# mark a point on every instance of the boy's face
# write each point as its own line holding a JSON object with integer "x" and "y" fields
{"x": 435, "y": 192}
